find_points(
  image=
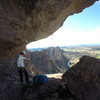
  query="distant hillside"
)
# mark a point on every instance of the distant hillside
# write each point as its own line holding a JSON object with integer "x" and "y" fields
{"x": 71, "y": 46}
{"x": 50, "y": 60}
{"x": 35, "y": 49}
{"x": 76, "y": 52}
{"x": 54, "y": 59}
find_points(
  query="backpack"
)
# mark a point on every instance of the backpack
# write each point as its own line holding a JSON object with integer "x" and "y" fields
{"x": 40, "y": 79}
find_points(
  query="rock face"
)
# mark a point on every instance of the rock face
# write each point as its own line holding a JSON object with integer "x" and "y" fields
{"x": 50, "y": 60}
{"x": 83, "y": 80}
{"x": 22, "y": 21}
{"x": 8, "y": 75}
{"x": 54, "y": 53}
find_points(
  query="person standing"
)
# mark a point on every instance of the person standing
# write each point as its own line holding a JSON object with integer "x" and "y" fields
{"x": 21, "y": 67}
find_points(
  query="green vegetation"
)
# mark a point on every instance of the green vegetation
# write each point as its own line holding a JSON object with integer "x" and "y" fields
{"x": 98, "y": 57}
{"x": 74, "y": 53}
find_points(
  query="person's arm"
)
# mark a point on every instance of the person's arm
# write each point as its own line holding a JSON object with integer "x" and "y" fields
{"x": 26, "y": 58}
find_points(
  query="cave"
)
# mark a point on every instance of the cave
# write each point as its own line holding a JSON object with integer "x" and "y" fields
{"x": 23, "y": 21}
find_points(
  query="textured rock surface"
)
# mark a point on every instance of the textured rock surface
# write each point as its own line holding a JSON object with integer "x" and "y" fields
{"x": 83, "y": 80}
{"x": 11, "y": 89}
{"x": 9, "y": 75}
{"x": 54, "y": 52}
{"x": 50, "y": 60}
{"x": 22, "y": 21}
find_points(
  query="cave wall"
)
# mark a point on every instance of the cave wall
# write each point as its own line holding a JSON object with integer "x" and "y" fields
{"x": 23, "y": 21}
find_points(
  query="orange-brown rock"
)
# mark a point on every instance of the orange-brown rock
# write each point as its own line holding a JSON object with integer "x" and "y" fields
{"x": 23, "y": 21}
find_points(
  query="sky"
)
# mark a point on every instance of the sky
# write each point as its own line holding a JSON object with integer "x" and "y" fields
{"x": 81, "y": 28}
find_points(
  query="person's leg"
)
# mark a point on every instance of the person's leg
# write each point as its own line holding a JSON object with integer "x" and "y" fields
{"x": 26, "y": 75}
{"x": 21, "y": 75}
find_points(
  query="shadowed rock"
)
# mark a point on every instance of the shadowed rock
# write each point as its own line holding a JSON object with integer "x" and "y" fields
{"x": 81, "y": 82}
{"x": 83, "y": 79}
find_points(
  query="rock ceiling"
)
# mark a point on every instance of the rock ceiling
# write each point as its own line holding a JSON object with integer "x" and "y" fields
{"x": 23, "y": 21}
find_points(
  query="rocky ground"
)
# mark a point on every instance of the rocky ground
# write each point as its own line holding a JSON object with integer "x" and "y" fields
{"x": 81, "y": 82}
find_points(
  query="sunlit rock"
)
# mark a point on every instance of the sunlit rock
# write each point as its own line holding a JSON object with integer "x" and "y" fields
{"x": 23, "y": 21}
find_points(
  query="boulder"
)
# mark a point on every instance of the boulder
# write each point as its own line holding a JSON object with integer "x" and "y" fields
{"x": 83, "y": 79}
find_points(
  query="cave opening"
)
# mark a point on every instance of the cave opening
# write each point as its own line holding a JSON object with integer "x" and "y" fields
{"x": 78, "y": 36}
{"x": 81, "y": 82}
{"x": 76, "y": 30}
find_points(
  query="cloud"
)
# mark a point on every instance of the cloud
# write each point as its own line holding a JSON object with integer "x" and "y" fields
{"x": 66, "y": 37}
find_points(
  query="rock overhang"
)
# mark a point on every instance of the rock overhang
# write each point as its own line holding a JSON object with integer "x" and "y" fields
{"x": 23, "y": 21}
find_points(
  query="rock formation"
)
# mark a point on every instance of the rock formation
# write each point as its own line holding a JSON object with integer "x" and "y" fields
{"x": 50, "y": 60}
{"x": 23, "y": 21}
{"x": 83, "y": 80}
{"x": 54, "y": 52}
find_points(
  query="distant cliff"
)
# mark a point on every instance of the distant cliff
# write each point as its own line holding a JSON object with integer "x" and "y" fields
{"x": 50, "y": 60}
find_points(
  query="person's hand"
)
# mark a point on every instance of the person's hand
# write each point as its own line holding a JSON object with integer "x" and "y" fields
{"x": 28, "y": 59}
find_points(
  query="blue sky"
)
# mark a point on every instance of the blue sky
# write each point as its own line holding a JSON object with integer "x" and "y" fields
{"x": 81, "y": 28}
{"x": 87, "y": 20}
